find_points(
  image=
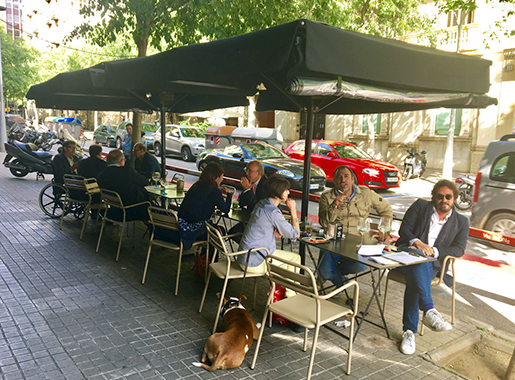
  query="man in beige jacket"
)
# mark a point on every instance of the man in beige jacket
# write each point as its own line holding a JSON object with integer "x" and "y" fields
{"x": 345, "y": 204}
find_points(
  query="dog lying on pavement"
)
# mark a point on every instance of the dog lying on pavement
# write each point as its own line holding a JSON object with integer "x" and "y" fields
{"x": 227, "y": 350}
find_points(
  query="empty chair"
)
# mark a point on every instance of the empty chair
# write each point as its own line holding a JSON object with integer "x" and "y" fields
{"x": 228, "y": 269}
{"x": 114, "y": 203}
{"x": 165, "y": 219}
{"x": 448, "y": 262}
{"x": 307, "y": 308}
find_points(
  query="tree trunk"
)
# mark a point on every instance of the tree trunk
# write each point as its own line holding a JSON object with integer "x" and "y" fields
{"x": 371, "y": 142}
{"x": 136, "y": 132}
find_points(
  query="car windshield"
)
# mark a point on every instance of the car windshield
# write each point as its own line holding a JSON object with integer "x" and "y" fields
{"x": 149, "y": 127}
{"x": 192, "y": 132}
{"x": 261, "y": 151}
{"x": 351, "y": 151}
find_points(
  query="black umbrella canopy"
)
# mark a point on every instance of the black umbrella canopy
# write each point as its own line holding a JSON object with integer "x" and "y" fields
{"x": 269, "y": 60}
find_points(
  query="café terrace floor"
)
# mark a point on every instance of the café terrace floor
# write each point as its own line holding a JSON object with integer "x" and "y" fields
{"x": 67, "y": 312}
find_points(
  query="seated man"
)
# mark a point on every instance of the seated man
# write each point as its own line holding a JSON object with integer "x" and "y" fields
{"x": 127, "y": 183}
{"x": 345, "y": 204}
{"x": 145, "y": 162}
{"x": 65, "y": 162}
{"x": 437, "y": 230}
{"x": 92, "y": 166}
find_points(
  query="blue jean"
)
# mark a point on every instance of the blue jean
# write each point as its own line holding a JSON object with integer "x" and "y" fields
{"x": 345, "y": 266}
{"x": 417, "y": 295}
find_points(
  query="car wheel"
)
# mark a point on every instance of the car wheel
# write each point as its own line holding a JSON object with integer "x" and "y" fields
{"x": 503, "y": 223}
{"x": 202, "y": 166}
{"x": 118, "y": 143}
{"x": 186, "y": 154}
{"x": 94, "y": 140}
{"x": 157, "y": 149}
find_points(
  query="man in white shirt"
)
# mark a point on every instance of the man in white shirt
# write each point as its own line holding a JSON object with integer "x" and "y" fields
{"x": 435, "y": 229}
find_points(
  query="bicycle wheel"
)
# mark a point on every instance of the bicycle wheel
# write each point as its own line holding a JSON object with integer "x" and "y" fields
{"x": 51, "y": 200}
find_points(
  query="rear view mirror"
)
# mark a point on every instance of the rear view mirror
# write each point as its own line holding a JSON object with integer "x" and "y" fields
{"x": 331, "y": 154}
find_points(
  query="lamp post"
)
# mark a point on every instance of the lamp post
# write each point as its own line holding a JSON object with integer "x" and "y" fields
{"x": 3, "y": 129}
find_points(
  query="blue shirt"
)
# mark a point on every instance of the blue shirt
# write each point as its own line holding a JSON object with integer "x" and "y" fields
{"x": 259, "y": 232}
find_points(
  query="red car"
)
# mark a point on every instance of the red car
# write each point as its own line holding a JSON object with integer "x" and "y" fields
{"x": 330, "y": 154}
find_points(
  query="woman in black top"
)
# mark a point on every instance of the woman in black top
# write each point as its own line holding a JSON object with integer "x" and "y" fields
{"x": 200, "y": 202}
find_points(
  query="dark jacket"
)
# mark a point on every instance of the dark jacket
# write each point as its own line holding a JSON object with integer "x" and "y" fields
{"x": 249, "y": 199}
{"x": 91, "y": 167}
{"x": 147, "y": 165}
{"x": 126, "y": 182}
{"x": 61, "y": 166}
{"x": 452, "y": 239}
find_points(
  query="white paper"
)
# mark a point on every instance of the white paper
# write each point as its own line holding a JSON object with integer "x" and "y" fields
{"x": 406, "y": 258}
{"x": 383, "y": 260}
{"x": 371, "y": 250}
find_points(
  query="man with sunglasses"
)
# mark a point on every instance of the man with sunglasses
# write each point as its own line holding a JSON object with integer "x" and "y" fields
{"x": 435, "y": 229}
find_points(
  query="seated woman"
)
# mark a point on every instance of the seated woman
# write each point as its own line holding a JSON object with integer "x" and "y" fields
{"x": 199, "y": 204}
{"x": 266, "y": 223}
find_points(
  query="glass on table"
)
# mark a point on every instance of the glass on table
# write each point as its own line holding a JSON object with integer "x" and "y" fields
{"x": 235, "y": 204}
{"x": 156, "y": 176}
{"x": 308, "y": 226}
{"x": 363, "y": 228}
{"x": 385, "y": 226}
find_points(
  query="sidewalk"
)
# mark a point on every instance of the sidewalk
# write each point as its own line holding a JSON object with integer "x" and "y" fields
{"x": 67, "y": 312}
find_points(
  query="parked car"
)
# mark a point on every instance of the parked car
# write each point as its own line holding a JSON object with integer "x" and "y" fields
{"x": 105, "y": 135}
{"x": 234, "y": 159}
{"x": 330, "y": 154}
{"x": 147, "y": 137}
{"x": 494, "y": 192}
{"x": 181, "y": 140}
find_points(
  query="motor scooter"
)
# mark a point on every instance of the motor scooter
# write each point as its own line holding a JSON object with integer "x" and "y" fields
{"x": 414, "y": 164}
{"x": 24, "y": 158}
{"x": 465, "y": 185}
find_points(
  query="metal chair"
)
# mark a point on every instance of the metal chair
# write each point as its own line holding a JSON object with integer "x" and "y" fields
{"x": 167, "y": 219}
{"x": 228, "y": 269}
{"x": 448, "y": 262}
{"x": 74, "y": 185}
{"x": 93, "y": 191}
{"x": 307, "y": 308}
{"x": 113, "y": 200}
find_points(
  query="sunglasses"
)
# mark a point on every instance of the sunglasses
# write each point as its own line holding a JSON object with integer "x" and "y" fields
{"x": 441, "y": 196}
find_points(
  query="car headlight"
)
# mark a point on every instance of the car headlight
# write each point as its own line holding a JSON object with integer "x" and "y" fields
{"x": 285, "y": 173}
{"x": 371, "y": 171}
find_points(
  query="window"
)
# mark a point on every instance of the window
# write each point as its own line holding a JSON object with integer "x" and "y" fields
{"x": 453, "y": 17}
{"x": 232, "y": 149}
{"x": 503, "y": 169}
{"x": 299, "y": 147}
{"x": 377, "y": 124}
{"x": 442, "y": 122}
{"x": 324, "y": 149}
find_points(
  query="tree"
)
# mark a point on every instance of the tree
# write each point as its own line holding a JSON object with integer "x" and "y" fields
{"x": 17, "y": 68}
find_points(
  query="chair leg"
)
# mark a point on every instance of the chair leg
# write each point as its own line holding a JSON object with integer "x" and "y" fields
{"x": 85, "y": 222}
{"x": 120, "y": 241}
{"x": 178, "y": 272}
{"x": 313, "y": 351}
{"x": 453, "y": 307}
{"x": 351, "y": 339}
{"x": 208, "y": 277}
{"x": 222, "y": 294}
{"x": 261, "y": 331}
{"x": 101, "y": 231}
{"x": 305, "y": 347}
{"x": 146, "y": 262}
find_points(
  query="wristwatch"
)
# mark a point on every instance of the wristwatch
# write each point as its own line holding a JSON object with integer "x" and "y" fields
{"x": 295, "y": 220}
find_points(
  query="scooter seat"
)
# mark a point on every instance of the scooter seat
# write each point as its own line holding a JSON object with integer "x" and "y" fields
{"x": 42, "y": 155}
{"x": 27, "y": 147}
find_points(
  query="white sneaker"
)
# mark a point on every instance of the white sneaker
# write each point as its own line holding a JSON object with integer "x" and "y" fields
{"x": 434, "y": 321}
{"x": 408, "y": 343}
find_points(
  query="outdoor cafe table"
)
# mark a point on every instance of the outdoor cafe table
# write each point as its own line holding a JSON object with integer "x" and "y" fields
{"x": 348, "y": 247}
{"x": 171, "y": 193}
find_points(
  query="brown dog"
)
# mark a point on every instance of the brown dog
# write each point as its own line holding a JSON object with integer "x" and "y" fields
{"x": 227, "y": 350}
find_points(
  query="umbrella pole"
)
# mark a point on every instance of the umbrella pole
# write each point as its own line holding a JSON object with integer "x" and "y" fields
{"x": 163, "y": 140}
{"x": 310, "y": 122}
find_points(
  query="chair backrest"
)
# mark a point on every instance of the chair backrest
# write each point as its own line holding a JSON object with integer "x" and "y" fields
{"x": 74, "y": 182}
{"x": 162, "y": 217}
{"x": 215, "y": 239}
{"x": 297, "y": 281}
{"x": 176, "y": 177}
{"x": 111, "y": 198}
{"x": 91, "y": 186}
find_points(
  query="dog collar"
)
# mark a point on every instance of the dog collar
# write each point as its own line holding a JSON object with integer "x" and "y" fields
{"x": 233, "y": 303}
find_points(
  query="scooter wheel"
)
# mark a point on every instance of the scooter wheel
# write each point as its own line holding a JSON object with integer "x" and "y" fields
{"x": 19, "y": 172}
{"x": 408, "y": 171}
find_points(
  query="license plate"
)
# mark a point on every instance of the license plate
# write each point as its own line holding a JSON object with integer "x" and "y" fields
{"x": 391, "y": 179}
{"x": 313, "y": 186}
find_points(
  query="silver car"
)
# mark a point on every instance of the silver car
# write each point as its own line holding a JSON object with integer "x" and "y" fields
{"x": 181, "y": 140}
{"x": 494, "y": 198}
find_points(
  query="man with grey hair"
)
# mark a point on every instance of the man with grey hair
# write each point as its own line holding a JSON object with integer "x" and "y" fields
{"x": 253, "y": 185}
{"x": 145, "y": 162}
{"x": 127, "y": 183}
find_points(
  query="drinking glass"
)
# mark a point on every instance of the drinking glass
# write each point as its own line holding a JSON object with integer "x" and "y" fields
{"x": 363, "y": 227}
{"x": 156, "y": 176}
{"x": 385, "y": 226}
{"x": 308, "y": 227}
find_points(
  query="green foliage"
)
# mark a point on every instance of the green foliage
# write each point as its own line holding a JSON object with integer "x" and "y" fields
{"x": 201, "y": 124}
{"x": 18, "y": 68}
